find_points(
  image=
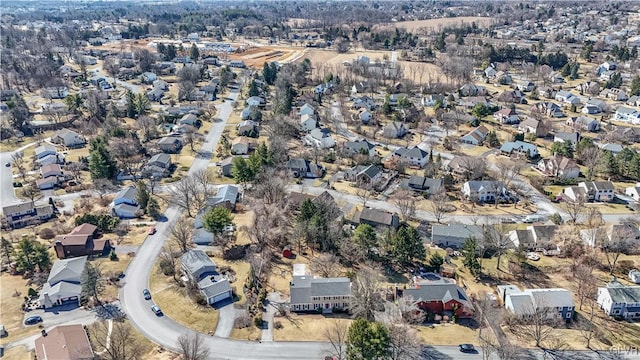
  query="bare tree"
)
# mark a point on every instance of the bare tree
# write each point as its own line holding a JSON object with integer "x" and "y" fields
{"x": 192, "y": 346}
{"x": 536, "y": 325}
{"x": 147, "y": 126}
{"x": 508, "y": 170}
{"x": 31, "y": 192}
{"x": 168, "y": 261}
{"x": 586, "y": 282}
{"x": 587, "y": 327}
{"x": 127, "y": 152}
{"x": 184, "y": 194}
{"x": 102, "y": 187}
{"x": 18, "y": 161}
{"x": 496, "y": 237}
{"x": 365, "y": 294}
{"x": 118, "y": 343}
{"x": 203, "y": 180}
{"x": 590, "y": 158}
{"x": 404, "y": 342}
{"x": 191, "y": 136}
{"x": 325, "y": 265}
{"x": 270, "y": 186}
{"x": 406, "y": 203}
{"x": 336, "y": 336}
{"x": 363, "y": 191}
{"x": 439, "y": 206}
{"x": 75, "y": 168}
{"x": 473, "y": 167}
{"x": 181, "y": 233}
{"x": 574, "y": 208}
{"x": 619, "y": 241}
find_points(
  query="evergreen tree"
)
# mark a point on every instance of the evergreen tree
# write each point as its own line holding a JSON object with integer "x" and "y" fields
{"x": 307, "y": 210}
{"x": 470, "y": 260}
{"x": 435, "y": 261}
{"x": 607, "y": 165}
{"x": 216, "y": 219}
{"x": 367, "y": 341}
{"x": 242, "y": 171}
{"x": 408, "y": 245}
{"x": 142, "y": 194}
{"x": 365, "y": 237}
{"x": 153, "y": 208}
{"x": 253, "y": 89}
{"x": 194, "y": 53}
{"x": 440, "y": 44}
{"x": 31, "y": 255}
{"x": 91, "y": 282}
{"x": 562, "y": 148}
{"x": 635, "y": 86}
{"x": 6, "y": 250}
{"x": 101, "y": 165}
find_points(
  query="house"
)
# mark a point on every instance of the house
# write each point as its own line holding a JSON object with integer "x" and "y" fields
{"x": 364, "y": 102}
{"x": 364, "y": 174}
{"x": 532, "y": 126}
{"x": 475, "y": 136}
{"x": 82, "y": 240}
{"x": 506, "y": 116}
{"x": 226, "y": 166}
{"x": 125, "y": 203}
{"x": 454, "y": 235}
{"x": 47, "y": 154}
{"x": 161, "y": 84}
{"x": 471, "y": 89}
{"x": 607, "y": 75}
{"x": 490, "y": 72}
{"x": 240, "y": 145}
{"x": 148, "y": 77}
{"x": 26, "y": 213}
{"x": 431, "y": 100}
{"x": 614, "y": 94}
{"x": 634, "y": 100}
{"x": 320, "y": 138}
{"x": 189, "y": 119}
{"x": 360, "y": 147}
{"x": 158, "y": 166}
{"x": 599, "y": 104}
{"x": 570, "y": 137}
{"x": 315, "y": 294}
{"x": 304, "y": 168}
{"x": 628, "y": 135}
{"x": 633, "y": 192}
{"x": 535, "y": 237}
{"x": 255, "y": 101}
{"x": 567, "y": 97}
{"x": 556, "y": 303}
{"x": 441, "y": 299}
{"x": 634, "y": 276}
{"x": 470, "y": 102}
{"x": 525, "y": 86}
{"x": 247, "y": 128}
{"x": 547, "y": 108}
{"x": 201, "y": 271}
{"x": 618, "y": 300}
{"x": 308, "y": 122}
{"x": 365, "y": 117}
{"x": 55, "y": 92}
{"x": 155, "y": 94}
{"x": 227, "y": 197}
{"x": 182, "y": 60}
{"x": 64, "y": 342}
{"x": 51, "y": 170}
{"x": 612, "y": 148}
{"x": 556, "y": 78}
{"x": 47, "y": 183}
{"x": 584, "y": 123}
{"x": 68, "y": 138}
{"x": 423, "y": 184}
{"x": 546, "y": 92}
{"x": 376, "y": 218}
{"x": 503, "y": 78}
{"x": 459, "y": 166}
{"x": 483, "y": 191}
{"x": 237, "y": 63}
{"x": 626, "y": 114}
{"x": 413, "y": 156}
{"x": 519, "y": 147}
{"x": 63, "y": 284}
{"x": 306, "y": 109}
{"x": 360, "y": 87}
{"x": 599, "y": 190}
{"x": 394, "y": 130}
{"x": 608, "y": 65}
{"x": 170, "y": 144}
{"x": 560, "y": 167}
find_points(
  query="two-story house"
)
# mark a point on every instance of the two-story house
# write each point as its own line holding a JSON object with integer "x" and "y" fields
{"x": 394, "y": 130}
{"x": 413, "y": 156}
{"x": 483, "y": 191}
{"x": 599, "y": 190}
{"x": 82, "y": 240}
{"x": 68, "y": 138}
{"x": 313, "y": 294}
{"x": 423, "y": 184}
{"x": 63, "y": 285}
{"x": 618, "y": 300}
{"x": 376, "y": 218}
{"x": 627, "y": 114}
{"x": 584, "y": 123}
{"x": 320, "y": 138}
{"x": 519, "y": 147}
{"x": 560, "y": 167}
{"x": 202, "y": 272}
{"x": 125, "y": 204}
{"x": 26, "y": 213}
{"x": 360, "y": 147}
{"x": 552, "y": 303}
{"x": 506, "y": 116}
{"x": 535, "y": 237}
{"x": 158, "y": 166}
{"x": 304, "y": 168}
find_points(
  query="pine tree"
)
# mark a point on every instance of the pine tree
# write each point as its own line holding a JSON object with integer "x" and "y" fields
{"x": 153, "y": 208}
{"x": 91, "y": 282}
{"x": 142, "y": 195}
{"x": 101, "y": 165}
{"x": 470, "y": 260}
{"x": 367, "y": 340}
{"x": 216, "y": 219}
{"x": 408, "y": 245}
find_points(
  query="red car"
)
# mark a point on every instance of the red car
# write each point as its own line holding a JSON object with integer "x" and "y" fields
{"x": 152, "y": 231}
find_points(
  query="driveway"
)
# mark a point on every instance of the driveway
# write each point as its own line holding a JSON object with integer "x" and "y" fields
{"x": 227, "y": 317}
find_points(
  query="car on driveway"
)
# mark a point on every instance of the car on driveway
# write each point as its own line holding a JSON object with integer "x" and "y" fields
{"x": 533, "y": 256}
{"x": 152, "y": 230}
{"x": 147, "y": 294}
{"x": 33, "y": 320}
{"x": 466, "y": 348}
{"x": 156, "y": 310}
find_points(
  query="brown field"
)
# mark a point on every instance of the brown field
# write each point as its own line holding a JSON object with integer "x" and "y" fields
{"x": 255, "y": 57}
{"x": 435, "y": 24}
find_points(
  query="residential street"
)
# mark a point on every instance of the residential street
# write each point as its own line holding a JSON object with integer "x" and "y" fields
{"x": 7, "y": 195}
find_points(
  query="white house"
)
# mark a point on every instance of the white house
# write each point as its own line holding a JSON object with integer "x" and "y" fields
{"x": 365, "y": 116}
{"x": 626, "y": 114}
{"x": 306, "y": 109}
{"x": 567, "y": 97}
{"x": 620, "y": 301}
{"x": 320, "y": 138}
{"x": 413, "y": 156}
{"x": 633, "y": 192}
{"x": 483, "y": 191}
{"x": 68, "y": 138}
{"x": 125, "y": 204}
{"x": 255, "y": 101}
{"x": 506, "y": 116}
{"x": 475, "y": 136}
{"x": 555, "y": 302}
{"x": 308, "y": 122}
{"x": 560, "y": 167}
{"x": 202, "y": 272}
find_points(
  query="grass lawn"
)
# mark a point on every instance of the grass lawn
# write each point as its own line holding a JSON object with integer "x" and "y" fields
{"x": 177, "y": 305}
{"x": 250, "y": 333}
{"x": 480, "y": 210}
{"x": 136, "y": 235}
{"x": 446, "y": 334}
{"x": 607, "y": 208}
{"x": 243, "y": 218}
{"x": 11, "y": 314}
{"x": 18, "y": 353}
{"x": 307, "y": 327}
{"x": 474, "y": 150}
{"x": 112, "y": 267}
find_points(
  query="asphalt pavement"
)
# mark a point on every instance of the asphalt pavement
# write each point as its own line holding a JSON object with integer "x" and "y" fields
{"x": 7, "y": 194}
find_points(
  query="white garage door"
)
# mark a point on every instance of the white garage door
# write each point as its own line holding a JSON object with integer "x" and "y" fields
{"x": 220, "y": 297}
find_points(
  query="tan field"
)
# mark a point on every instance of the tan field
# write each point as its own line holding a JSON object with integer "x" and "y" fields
{"x": 435, "y": 24}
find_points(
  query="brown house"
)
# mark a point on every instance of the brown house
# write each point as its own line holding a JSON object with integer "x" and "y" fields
{"x": 81, "y": 241}
{"x": 64, "y": 342}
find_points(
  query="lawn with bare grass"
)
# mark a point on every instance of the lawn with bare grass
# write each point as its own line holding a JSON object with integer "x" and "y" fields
{"x": 250, "y": 333}
{"x": 306, "y": 327}
{"x": 14, "y": 289}
{"x": 446, "y": 334}
{"x": 18, "y": 353}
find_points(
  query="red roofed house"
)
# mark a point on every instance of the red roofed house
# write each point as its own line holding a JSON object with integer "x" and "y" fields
{"x": 64, "y": 342}
{"x": 82, "y": 240}
{"x": 441, "y": 299}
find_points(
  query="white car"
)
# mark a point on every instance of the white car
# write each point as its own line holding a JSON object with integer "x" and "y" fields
{"x": 533, "y": 256}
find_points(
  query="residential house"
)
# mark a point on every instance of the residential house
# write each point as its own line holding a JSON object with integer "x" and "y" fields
{"x": 556, "y": 78}
{"x": 315, "y": 294}
{"x": 628, "y": 135}
{"x": 599, "y": 190}
{"x": 308, "y": 122}
{"x": 471, "y": 101}
{"x": 454, "y": 235}
{"x": 618, "y": 300}
{"x": 394, "y": 130}
{"x": 431, "y": 100}
{"x": 48, "y": 183}
{"x": 626, "y": 114}
{"x": 567, "y": 97}
{"x": 535, "y": 237}
{"x": 320, "y": 138}
{"x": 360, "y": 147}
{"x": 483, "y": 191}
{"x": 170, "y": 144}
{"x": 306, "y": 109}
{"x": 247, "y": 128}
{"x": 125, "y": 204}
{"x": 82, "y": 240}
{"x": 155, "y": 94}
{"x": 533, "y": 126}
{"x": 148, "y": 77}
{"x": 506, "y": 116}
{"x": 570, "y": 137}
{"x": 525, "y": 86}
{"x": 614, "y": 94}
{"x": 607, "y": 75}
{"x": 256, "y": 101}
{"x": 26, "y": 213}
{"x": 55, "y": 92}
{"x": 68, "y": 138}
{"x": 364, "y": 174}
{"x": 556, "y": 303}
{"x": 590, "y": 110}
{"x": 490, "y": 72}
{"x": 546, "y": 92}
{"x": 304, "y": 168}
{"x": 519, "y": 147}
{"x": 634, "y": 276}
{"x": 584, "y": 123}
{"x": 574, "y": 194}
{"x": 441, "y": 299}
{"x": 612, "y": 148}
{"x": 459, "y": 167}
{"x": 365, "y": 117}
{"x": 201, "y": 271}
{"x": 47, "y": 154}
{"x": 413, "y": 156}
{"x": 547, "y": 108}
{"x": 237, "y": 63}
{"x": 423, "y": 184}
{"x": 161, "y": 84}
{"x": 63, "y": 285}
{"x": 633, "y": 192}
{"x": 241, "y": 145}
{"x": 227, "y": 196}
{"x": 189, "y": 119}
{"x": 360, "y": 87}
{"x": 158, "y": 166}
{"x": 364, "y": 102}
{"x": 475, "y": 136}
{"x": 64, "y": 342}
{"x": 376, "y": 218}
{"x": 598, "y": 104}
{"x": 560, "y": 167}
{"x": 471, "y": 89}
{"x": 634, "y": 100}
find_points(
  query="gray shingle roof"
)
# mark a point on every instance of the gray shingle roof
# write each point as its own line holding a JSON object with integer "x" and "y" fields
{"x": 457, "y": 231}
{"x": 303, "y": 288}
{"x": 67, "y": 270}
{"x": 129, "y": 193}
{"x": 438, "y": 292}
{"x": 225, "y": 193}
{"x": 194, "y": 260}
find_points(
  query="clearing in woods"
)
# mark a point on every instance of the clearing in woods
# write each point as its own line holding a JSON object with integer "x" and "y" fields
{"x": 435, "y": 24}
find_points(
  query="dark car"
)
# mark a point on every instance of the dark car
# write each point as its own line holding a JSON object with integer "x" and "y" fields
{"x": 152, "y": 230}
{"x": 7, "y": 164}
{"x": 156, "y": 310}
{"x": 466, "y": 348}
{"x": 147, "y": 294}
{"x": 32, "y": 320}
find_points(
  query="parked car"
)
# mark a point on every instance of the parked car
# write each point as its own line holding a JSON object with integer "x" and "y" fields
{"x": 152, "y": 230}
{"x": 33, "y": 320}
{"x": 530, "y": 219}
{"x": 467, "y": 348}
{"x": 156, "y": 310}
{"x": 7, "y": 164}
{"x": 147, "y": 294}
{"x": 533, "y": 256}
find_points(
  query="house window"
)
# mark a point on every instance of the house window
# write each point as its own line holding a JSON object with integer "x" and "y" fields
{"x": 568, "y": 315}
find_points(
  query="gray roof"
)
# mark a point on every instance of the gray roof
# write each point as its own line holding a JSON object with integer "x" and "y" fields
{"x": 123, "y": 207}
{"x": 375, "y": 216}
{"x": 129, "y": 193}
{"x": 550, "y": 298}
{"x": 194, "y": 260}
{"x": 519, "y": 146}
{"x": 624, "y": 294}
{"x": 44, "y": 149}
{"x": 438, "y": 292}
{"x": 524, "y": 237}
{"x": 225, "y": 193}
{"x": 421, "y": 182}
{"x": 522, "y": 303}
{"x": 212, "y": 286}
{"x": 413, "y": 152}
{"x": 161, "y": 158}
{"x": 360, "y": 145}
{"x": 302, "y": 288}
{"x": 370, "y": 171}
{"x": 67, "y": 270}
{"x": 169, "y": 140}
{"x": 480, "y": 184}
{"x": 457, "y": 231}
{"x": 572, "y": 137}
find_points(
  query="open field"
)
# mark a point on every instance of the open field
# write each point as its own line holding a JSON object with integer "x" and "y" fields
{"x": 307, "y": 327}
{"x": 11, "y": 314}
{"x": 436, "y": 24}
{"x": 256, "y": 57}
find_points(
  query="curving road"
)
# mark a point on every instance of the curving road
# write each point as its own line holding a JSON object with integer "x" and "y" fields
{"x": 7, "y": 195}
